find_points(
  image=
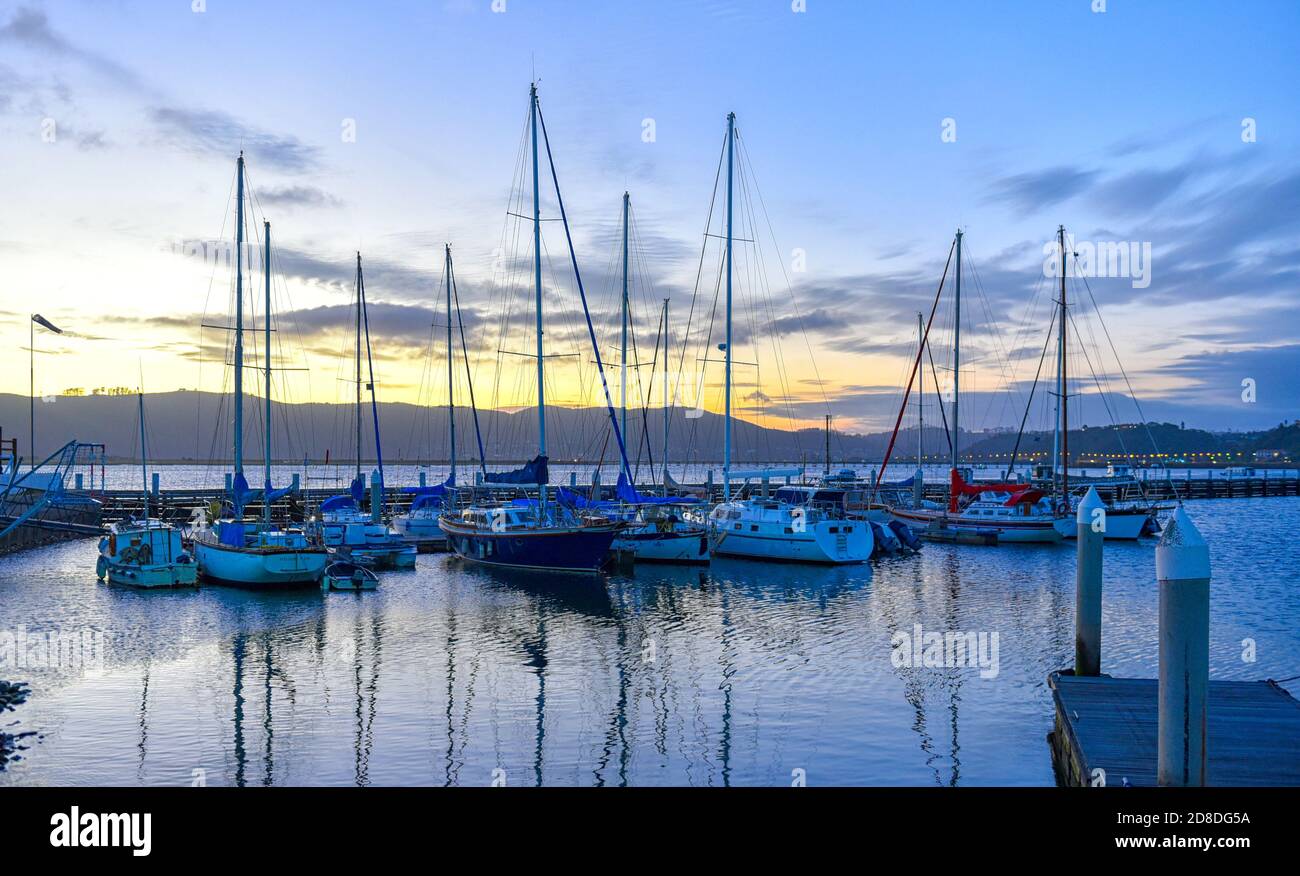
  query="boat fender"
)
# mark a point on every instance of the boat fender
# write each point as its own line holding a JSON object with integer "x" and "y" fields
{"x": 112, "y": 544}
{"x": 101, "y": 567}
{"x": 144, "y": 554}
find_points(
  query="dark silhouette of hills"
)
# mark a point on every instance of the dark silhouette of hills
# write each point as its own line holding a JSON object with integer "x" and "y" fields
{"x": 184, "y": 426}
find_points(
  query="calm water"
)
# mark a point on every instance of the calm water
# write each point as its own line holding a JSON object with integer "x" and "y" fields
{"x": 739, "y": 674}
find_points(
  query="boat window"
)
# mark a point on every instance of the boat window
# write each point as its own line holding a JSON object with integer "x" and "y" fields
{"x": 835, "y": 529}
{"x": 753, "y": 527}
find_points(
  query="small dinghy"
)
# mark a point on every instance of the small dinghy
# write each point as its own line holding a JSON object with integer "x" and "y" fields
{"x": 348, "y": 576}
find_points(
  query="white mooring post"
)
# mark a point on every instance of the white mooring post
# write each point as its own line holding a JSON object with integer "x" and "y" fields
{"x": 376, "y": 497}
{"x": 1090, "y": 530}
{"x": 1183, "y": 576}
{"x": 918, "y": 488}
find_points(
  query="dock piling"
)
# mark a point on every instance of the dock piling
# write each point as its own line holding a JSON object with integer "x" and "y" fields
{"x": 1183, "y": 576}
{"x": 918, "y": 488}
{"x": 1087, "y": 584}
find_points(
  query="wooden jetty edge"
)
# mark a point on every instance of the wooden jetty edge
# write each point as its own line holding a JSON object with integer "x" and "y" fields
{"x": 1111, "y": 725}
{"x": 1179, "y": 729}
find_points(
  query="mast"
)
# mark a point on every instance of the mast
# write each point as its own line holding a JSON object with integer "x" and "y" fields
{"x": 828, "y": 445}
{"x": 920, "y": 391}
{"x": 451, "y": 388}
{"x": 665, "y": 391}
{"x": 358, "y": 363}
{"x": 144, "y": 453}
{"x": 239, "y": 316}
{"x": 623, "y": 369}
{"x": 266, "y": 317}
{"x": 370, "y": 381}
{"x": 1062, "y": 399}
{"x": 956, "y": 356}
{"x": 537, "y": 271}
{"x": 726, "y": 445}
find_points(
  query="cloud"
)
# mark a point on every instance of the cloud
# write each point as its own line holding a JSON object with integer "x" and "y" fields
{"x": 1030, "y": 192}
{"x": 219, "y": 133}
{"x": 31, "y": 28}
{"x": 296, "y": 196}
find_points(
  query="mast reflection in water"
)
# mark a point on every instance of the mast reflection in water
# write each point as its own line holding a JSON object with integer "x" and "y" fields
{"x": 740, "y": 674}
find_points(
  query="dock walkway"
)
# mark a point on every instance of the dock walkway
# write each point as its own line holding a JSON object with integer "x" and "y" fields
{"x": 1253, "y": 732}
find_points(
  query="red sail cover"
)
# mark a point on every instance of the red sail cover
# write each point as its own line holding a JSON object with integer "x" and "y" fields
{"x": 1019, "y": 492}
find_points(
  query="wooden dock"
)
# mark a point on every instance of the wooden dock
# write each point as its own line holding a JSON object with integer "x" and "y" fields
{"x": 1110, "y": 724}
{"x": 178, "y": 504}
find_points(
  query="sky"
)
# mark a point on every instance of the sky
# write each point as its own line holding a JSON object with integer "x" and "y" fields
{"x": 868, "y": 134}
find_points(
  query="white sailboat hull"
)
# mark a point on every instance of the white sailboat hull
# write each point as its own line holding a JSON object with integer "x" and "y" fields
{"x": 778, "y": 536}
{"x": 679, "y": 545}
{"x": 1010, "y": 531}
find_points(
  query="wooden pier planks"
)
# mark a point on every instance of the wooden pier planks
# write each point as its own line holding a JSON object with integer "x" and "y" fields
{"x": 1110, "y": 723}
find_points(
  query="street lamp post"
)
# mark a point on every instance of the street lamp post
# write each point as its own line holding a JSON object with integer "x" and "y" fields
{"x": 37, "y": 319}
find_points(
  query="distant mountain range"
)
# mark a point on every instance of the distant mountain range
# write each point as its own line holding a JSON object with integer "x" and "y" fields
{"x": 194, "y": 426}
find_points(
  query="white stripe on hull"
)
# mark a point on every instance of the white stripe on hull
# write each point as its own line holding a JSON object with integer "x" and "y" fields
{"x": 164, "y": 575}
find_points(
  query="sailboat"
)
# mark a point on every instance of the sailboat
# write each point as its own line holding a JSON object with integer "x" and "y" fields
{"x": 1123, "y": 522}
{"x": 981, "y": 513}
{"x": 419, "y": 525}
{"x": 343, "y": 525}
{"x": 145, "y": 551}
{"x": 771, "y": 526}
{"x": 658, "y": 530}
{"x": 540, "y": 533}
{"x": 235, "y": 551}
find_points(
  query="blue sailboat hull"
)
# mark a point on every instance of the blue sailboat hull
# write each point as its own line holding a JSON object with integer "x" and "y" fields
{"x": 558, "y": 549}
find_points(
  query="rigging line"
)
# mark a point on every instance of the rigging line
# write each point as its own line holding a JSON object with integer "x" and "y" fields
{"x": 1133, "y": 395}
{"x": 690, "y": 317}
{"x": 903, "y": 407}
{"x": 938, "y": 394}
{"x": 1102, "y": 393}
{"x": 578, "y": 278}
{"x": 1047, "y": 342}
{"x": 207, "y": 296}
{"x": 1002, "y": 355}
{"x": 793, "y": 302}
{"x": 469, "y": 378}
{"x": 660, "y": 334}
{"x": 370, "y": 364}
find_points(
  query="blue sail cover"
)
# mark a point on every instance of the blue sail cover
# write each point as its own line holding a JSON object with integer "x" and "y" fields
{"x": 338, "y": 503}
{"x": 534, "y": 472}
{"x": 629, "y": 494}
{"x": 241, "y": 492}
{"x": 435, "y": 490}
{"x": 427, "y": 500}
{"x": 575, "y": 500}
{"x": 273, "y": 495}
